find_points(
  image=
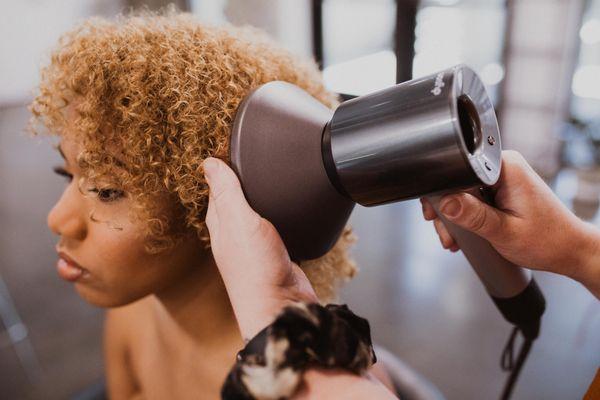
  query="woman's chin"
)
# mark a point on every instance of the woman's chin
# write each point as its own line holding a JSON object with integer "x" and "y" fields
{"x": 104, "y": 299}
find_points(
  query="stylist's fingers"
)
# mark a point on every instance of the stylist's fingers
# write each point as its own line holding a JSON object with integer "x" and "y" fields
{"x": 430, "y": 215}
{"x": 228, "y": 212}
{"x": 445, "y": 237}
{"x": 249, "y": 253}
{"x": 238, "y": 234}
{"x": 472, "y": 214}
{"x": 428, "y": 211}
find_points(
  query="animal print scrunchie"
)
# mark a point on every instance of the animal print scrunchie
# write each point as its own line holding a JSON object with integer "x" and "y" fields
{"x": 303, "y": 335}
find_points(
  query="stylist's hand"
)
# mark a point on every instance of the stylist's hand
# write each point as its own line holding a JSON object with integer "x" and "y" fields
{"x": 261, "y": 280}
{"x": 530, "y": 226}
{"x": 257, "y": 271}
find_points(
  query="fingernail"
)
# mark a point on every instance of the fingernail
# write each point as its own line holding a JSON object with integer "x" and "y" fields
{"x": 451, "y": 208}
{"x": 210, "y": 166}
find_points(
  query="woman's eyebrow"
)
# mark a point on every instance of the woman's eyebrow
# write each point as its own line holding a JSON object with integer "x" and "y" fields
{"x": 57, "y": 147}
{"x": 117, "y": 161}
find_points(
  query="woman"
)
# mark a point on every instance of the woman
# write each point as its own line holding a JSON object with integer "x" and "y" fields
{"x": 138, "y": 104}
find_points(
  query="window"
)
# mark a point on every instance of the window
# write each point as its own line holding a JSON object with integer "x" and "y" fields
{"x": 361, "y": 52}
{"x": 582, "y": 133}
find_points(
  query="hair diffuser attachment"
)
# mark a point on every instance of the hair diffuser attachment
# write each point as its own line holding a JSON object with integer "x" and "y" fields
{"x": 276, "y": 152}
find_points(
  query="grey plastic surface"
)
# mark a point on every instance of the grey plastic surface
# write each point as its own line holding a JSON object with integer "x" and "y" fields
{"x": 409, "y": 384}
{"x": 276, "y": 152}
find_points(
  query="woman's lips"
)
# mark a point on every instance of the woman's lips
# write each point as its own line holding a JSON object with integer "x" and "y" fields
{"x": 68, "y": 269}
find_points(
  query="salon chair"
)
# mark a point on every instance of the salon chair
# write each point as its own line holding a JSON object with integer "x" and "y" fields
{"x": 409, "y": 384}
{"x": 95, "y": 391}
{"x": 14, "y": 333}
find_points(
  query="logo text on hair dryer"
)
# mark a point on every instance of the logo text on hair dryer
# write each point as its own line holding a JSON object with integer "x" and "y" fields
{"x": 439, "y": 84}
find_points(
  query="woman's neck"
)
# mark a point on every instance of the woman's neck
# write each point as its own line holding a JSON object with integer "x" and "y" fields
{"x": 197, "y": 307}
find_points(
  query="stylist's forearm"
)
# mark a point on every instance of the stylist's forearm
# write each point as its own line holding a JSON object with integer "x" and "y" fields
{"x": 587, "y": 265}
{"x": 338, "y": 384}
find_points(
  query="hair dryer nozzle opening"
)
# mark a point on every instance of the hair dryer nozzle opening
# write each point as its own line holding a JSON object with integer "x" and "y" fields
{"x": 470, "y": 125}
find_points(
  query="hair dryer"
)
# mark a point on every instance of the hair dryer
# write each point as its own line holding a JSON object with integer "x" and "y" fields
{"x": 303, "y": 167}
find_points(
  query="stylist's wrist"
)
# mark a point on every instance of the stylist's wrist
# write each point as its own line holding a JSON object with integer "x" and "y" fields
{"x": 253, "y": 316}
{"x": 268, "y": 297}
{"x": 586, "y": 264}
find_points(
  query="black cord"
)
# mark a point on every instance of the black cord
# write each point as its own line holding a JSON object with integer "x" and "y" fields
{"x": 525, "y": 312}
{"x": 514, "y": 367}
{"x": 506, "y": 362}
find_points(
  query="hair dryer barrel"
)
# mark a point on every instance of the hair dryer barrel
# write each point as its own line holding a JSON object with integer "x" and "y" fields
{"x": 420, "y": 137}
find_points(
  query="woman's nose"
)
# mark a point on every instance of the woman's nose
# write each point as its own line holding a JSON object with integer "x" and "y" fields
{"x": 67, "y": 217}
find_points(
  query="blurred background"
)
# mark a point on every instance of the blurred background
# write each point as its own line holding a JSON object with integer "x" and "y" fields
{"x": 540, "y": 60}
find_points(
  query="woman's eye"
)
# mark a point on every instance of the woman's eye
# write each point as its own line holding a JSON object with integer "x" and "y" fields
{"x": 63, "y": 172}
{"x": 108, "y": 195}
{"x": 104, "y": 195}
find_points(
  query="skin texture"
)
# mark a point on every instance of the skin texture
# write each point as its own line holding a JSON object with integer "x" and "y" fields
{"x": 529, "y": 225}
{"x": 120, "y": 270}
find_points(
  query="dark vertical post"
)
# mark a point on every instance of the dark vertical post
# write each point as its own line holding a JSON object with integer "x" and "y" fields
{"x": 183, "y": 5}
{"x": 317, "y": 29}
{"x": 505, "y": 56}
{"x": 404, "y": 38}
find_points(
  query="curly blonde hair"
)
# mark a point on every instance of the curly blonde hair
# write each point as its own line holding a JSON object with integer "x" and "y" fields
{"x": 162, "y": 89}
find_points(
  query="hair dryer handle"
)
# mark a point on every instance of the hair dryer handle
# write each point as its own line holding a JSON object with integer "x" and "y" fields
{"x": 500, "y": 277}
{"x": 511, "y": 287}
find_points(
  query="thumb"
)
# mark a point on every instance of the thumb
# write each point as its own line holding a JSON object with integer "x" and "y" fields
{"x": 229, "y": 211}
{"x": 472, "y": 214}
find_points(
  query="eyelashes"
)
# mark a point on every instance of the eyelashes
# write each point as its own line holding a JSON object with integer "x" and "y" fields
{"x": 63, "y": 172}
{"x": 106, "y": 195}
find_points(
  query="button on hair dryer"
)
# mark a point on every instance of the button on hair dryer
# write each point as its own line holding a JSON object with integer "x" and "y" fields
{"x": 303, "y": 167}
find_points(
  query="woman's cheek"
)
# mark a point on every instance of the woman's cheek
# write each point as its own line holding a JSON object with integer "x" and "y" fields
{"x": 121, "y": 258}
